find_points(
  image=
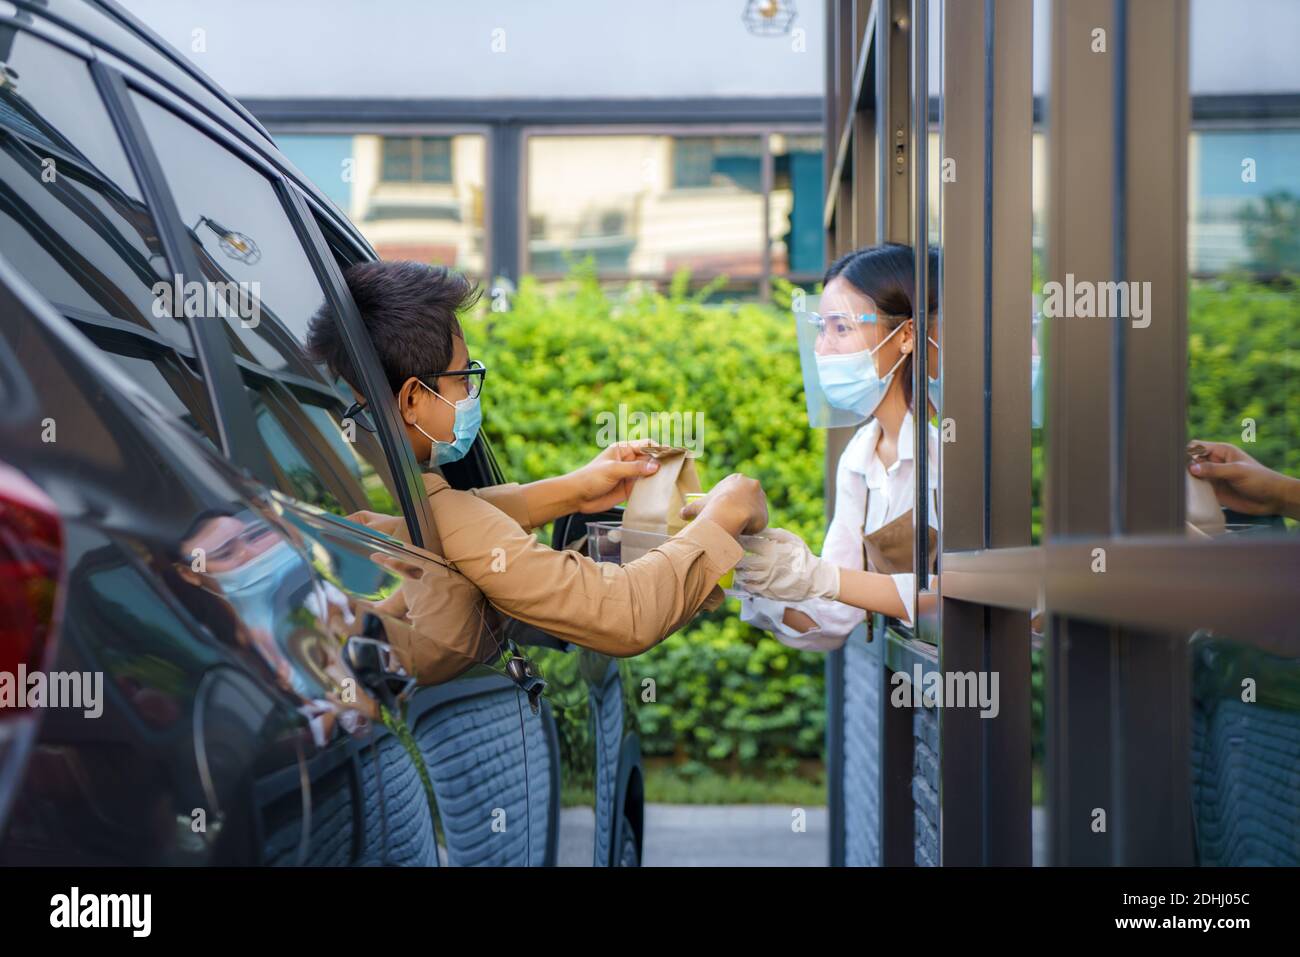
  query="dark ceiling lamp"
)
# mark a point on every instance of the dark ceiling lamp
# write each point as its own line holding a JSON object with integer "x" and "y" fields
{"x": 769, "y": 18}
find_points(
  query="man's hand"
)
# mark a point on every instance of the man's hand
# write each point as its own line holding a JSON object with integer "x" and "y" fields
{"x": 608, "y": 478}
{"x": 737, "y": 503}
{"x": 1242, "y": 484}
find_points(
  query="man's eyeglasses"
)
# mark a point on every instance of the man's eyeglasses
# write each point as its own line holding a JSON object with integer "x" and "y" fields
{"x": 360, "y": 413}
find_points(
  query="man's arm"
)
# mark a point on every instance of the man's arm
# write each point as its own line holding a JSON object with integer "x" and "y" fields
{"x": 613, "y": 609}
{"x": 599, "y": 485}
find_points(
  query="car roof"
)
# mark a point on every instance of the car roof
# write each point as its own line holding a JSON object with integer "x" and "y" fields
{"x": 108, "y": 26}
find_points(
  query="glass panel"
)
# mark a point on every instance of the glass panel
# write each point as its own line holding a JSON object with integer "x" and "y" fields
{"x": 412, "y": 197}
{"x": 314, "y": 459}
{"x": 74, "y": 222}
{"x": 927, "y": 407}
{"x": 399, "y": 160}
{"x": 1245, "y": 760}
{"x": 1243, "y": 322}
{"x": 72, "y": 218}
{"x": 795, "y": 231}
{"x": 646, "y": 206}
{"x": 242, "y": 234}
{"x": 1039, "y": 330}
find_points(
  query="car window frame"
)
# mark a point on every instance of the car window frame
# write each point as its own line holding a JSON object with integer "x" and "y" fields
{"x": 223, "y": 367}
{"x": 237, "y": 437}
{"x": 137, "y": 341}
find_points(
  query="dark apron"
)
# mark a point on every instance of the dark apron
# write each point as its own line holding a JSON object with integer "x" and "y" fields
{"x": 888, "y": 550}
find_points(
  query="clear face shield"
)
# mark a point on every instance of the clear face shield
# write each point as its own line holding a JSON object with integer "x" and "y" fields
{"x": 836, "y": 355}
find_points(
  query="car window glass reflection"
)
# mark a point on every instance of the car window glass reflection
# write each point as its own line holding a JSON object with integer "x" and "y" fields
{"x": 74, "y": 223}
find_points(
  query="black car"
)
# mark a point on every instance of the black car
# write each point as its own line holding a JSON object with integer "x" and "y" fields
{"x": 174, "y": 558}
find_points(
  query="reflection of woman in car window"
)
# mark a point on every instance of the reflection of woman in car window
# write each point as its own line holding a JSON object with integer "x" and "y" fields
{"x": 410, "y": 311}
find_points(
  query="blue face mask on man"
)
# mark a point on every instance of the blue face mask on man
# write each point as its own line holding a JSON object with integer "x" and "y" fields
{"x": 469, "y": 416}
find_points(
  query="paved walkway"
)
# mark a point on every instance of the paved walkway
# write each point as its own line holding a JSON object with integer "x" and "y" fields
{"x": 739, "y": 835}
{"x": 744, "y": 835}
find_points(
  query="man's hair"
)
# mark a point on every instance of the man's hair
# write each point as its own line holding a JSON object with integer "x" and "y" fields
{"x": 408, "y": 308}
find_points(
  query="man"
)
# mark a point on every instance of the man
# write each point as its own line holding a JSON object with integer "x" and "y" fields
{"x": 444, "y": 617}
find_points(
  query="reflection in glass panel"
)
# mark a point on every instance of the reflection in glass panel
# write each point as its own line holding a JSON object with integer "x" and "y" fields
{"x": 646, "y": 205}
{"x": 242, "y": 236}
{"x": 795, "y": 207}
{"x": 1245, "y": 760}
{"x": 412, "y": 197}
{"x": 935, "y": 106}
{"x": 1243, "y": 307}
{"x": 72, "y": 220}
{"x": 1039, "y": 330}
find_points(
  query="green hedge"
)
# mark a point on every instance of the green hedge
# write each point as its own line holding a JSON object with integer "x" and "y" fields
{"x": 558, "y": 359}
{"x": 1243, "y": 348}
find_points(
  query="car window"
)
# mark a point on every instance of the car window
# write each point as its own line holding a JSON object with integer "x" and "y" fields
{"x": 313, "y": 459}
{"x": 246, "y": 243}
{"x": 74, "y": 222}
{"x": 243, "y": 238}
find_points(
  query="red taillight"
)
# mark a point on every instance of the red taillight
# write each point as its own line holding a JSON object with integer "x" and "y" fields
{"x": 31, "y": 568}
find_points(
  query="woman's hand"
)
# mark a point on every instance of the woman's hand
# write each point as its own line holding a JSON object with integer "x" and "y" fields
{"x": 608, "y": 478}
{"x": 1242, "y": 484}
{"x": 781, "y": 566}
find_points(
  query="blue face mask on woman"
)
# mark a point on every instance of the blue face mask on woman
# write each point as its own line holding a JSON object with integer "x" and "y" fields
{"x": 932, "y": 385}
{"x": 464, "y": 430}
{"x": 850, "y": 381}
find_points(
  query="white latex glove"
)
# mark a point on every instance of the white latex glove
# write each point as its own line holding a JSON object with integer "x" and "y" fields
{"x": 780, "y": 565}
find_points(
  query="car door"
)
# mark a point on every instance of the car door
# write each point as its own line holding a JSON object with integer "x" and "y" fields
{"x": 448, "y": 761}
{"x": 117, "y": 437}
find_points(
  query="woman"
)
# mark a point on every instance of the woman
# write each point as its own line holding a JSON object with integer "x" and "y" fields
{"x": 863, "y": 354}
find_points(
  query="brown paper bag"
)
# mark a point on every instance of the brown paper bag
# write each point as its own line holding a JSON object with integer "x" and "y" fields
{"x": 654, "y": 509}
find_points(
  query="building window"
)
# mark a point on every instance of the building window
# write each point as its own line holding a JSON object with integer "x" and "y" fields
{"x": 647, "y": 206}
{"x": 416, "y": 159}
{"x": 701, "y": 162}
{"x": 795, "y": 207}
{"x": 413, "y": 197}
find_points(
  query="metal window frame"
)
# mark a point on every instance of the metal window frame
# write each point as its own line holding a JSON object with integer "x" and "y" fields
{"x": 1117, "y": 678}
{"x": 40, "y": 20}
{"x": 873, "y": 129}
{"x": 236, "y": 427}
{"x": 986, "y": 127}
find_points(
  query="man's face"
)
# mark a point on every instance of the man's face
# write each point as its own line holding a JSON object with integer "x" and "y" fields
{"x": 435, "y": 414}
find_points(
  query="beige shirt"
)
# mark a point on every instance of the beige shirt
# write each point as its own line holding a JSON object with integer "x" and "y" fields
{"x": 452, "y": 615}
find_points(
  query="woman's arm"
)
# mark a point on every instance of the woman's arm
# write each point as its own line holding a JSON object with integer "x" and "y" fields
{"x": 818, "y": 623}
{"x": 873, "y": 592}
{"x": 785, "y": 569}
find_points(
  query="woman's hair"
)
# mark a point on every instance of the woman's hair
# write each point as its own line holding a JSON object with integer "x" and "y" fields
{"x": 410, "y": 310}
{"x": 886, "y": 274}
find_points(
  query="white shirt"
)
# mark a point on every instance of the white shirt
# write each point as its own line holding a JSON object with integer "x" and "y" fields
{"x": 891, "y": 495}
